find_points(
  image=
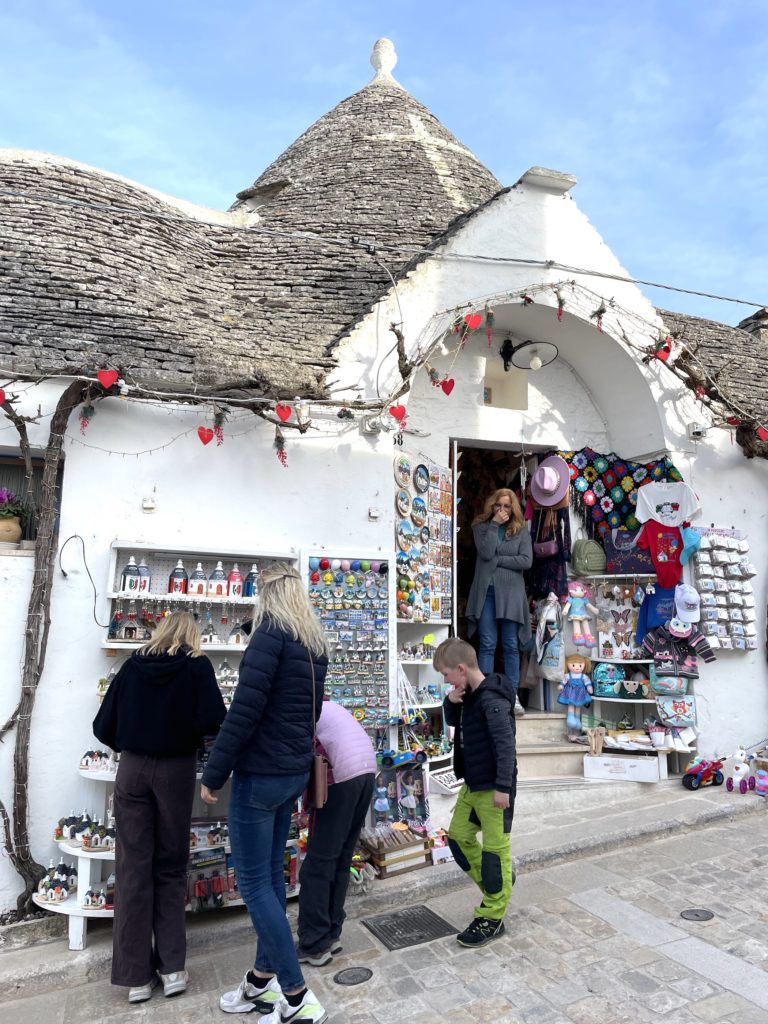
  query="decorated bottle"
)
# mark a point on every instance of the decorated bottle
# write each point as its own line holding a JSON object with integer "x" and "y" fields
{"x": 198, "y": 581}
{"x": 145, "y": 577}
{"x": 130, "y": 579}
{"x": 235, "y": 582}
{"x": 178, "y": 581}
{"x": 251, "y": 582}
{"x": 217, "y": 582}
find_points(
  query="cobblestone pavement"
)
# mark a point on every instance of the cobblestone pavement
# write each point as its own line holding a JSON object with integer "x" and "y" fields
{"x": 599, "y": 940}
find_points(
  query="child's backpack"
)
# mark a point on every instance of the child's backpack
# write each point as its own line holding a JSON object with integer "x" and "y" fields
{"x": 607, "y": 679}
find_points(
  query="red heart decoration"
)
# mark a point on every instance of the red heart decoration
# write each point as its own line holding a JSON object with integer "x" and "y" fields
{"x": 107, "y": 378}
{"x": 473, "y": 321}
{"x": 733, "y": 421}
{"x": 205, "y": 434}
{"x": 398, "y": 411}
{"x": 2, "y": 396}
{"x": 447, "y": 385}
{"x": 762, "y": 433}
{"x": 283, "y": 411}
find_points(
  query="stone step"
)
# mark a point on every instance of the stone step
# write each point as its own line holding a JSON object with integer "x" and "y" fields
{"x": 540, "y": 727}
{"x": 549, "y": 759}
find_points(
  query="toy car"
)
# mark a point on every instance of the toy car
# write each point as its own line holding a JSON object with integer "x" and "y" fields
{"x": 392, "y": 758}
{"x": 701, "y": 772}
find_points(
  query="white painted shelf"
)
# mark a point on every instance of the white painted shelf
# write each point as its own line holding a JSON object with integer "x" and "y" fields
{"x": 117, "y": 595}
{"x": 130, "y": 645}
{"x": 181, "y": 549}
{"x": 624, "y": 700}
{"x": 623, "y": 661}
{"x": 85, "y": 852}
{"x": 71, "y": 908}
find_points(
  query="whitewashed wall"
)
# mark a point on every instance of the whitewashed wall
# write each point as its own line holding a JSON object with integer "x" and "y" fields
{"x": 239, "y": 496}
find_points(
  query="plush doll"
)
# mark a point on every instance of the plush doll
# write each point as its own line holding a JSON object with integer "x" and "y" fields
{"x": 575, "y": 691}
{"x": 578, "y": 610}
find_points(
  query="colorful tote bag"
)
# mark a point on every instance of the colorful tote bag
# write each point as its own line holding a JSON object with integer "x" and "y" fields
{"x": 623, "y": 556}
{"x": 677, "y": 711}
{"x": 607, "y": 679}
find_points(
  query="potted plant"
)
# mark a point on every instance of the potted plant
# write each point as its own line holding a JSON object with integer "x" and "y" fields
{"x": 11, "y": 516}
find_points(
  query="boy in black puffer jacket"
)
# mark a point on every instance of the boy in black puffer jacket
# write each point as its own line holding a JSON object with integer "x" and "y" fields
{"x": 481, "y": 710}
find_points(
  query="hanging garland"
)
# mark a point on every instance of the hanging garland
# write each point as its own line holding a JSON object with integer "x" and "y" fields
{"x": 279, "y": 446}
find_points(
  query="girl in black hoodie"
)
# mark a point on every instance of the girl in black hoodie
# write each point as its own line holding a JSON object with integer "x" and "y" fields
{"x": 157, "y": 710}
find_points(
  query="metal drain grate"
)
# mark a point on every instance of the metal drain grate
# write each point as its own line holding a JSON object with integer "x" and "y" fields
{"x": 697, "y": 915}
{"x": 353, "y": 976}
{"x": 409, "y": 927}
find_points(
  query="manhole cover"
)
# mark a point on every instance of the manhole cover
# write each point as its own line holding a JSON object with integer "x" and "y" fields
{"x": 409, "y": 927}
{"x": 697, "y": 915}
{"x": 353, "y": 976}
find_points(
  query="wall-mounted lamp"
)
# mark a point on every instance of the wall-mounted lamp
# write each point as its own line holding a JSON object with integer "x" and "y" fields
{"x": 528, "y": 355}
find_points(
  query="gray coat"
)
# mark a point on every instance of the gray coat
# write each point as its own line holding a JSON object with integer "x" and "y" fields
{"x": 501, "y": 562}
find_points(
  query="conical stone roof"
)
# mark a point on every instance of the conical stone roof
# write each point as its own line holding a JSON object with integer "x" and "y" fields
{"x": 378, "y": 166}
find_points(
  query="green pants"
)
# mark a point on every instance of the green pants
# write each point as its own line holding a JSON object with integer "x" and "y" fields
{"x": 489, "y": 865}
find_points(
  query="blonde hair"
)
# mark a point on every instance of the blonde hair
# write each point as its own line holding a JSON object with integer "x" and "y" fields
{"x": 516, "y": 520}
{"x": 178, "y": 631}
{"x": 454, "y": 652}
{"x": 284, "y": 602}
{"x": 579, "y": 657}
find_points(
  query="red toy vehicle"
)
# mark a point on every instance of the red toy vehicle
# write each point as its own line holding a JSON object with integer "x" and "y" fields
{"x": 703, "y": 773}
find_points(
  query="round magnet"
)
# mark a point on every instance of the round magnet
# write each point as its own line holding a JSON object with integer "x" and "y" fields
{"x": 355, "y": 566}
{"x": 404, "y": 535}
{"x": 384, "y": 568}
{"x": 421, "y": 478}
{"x": 314, "y": 563}
{"x": 345, "y": 565}
{"x": 376, "y": 566}
{"x": 403, "y": 502}
{"x": 403, "y": 469}
{"x": 336, "y": 563}
{"x": 324, "y": 563}
{"x": 365, "y": 565}
{"x": 359, "y": 714}
{"x": 424, "y": 535}
{"x": 419, "y": 511}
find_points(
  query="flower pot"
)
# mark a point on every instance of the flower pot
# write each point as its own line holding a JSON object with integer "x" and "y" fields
{"x": 10, "y": 529}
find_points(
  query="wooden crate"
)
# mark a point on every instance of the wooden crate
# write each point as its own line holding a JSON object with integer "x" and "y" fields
{"x": 394, "y": 860}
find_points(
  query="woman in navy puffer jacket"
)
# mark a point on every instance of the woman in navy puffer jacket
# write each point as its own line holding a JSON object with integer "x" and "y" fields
{"x": 266, "y": 741}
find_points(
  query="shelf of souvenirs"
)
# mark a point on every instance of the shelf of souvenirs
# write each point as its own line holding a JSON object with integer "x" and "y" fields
{"x": 624, "y": 700}
{"x": 71, "y": 907}
{"x": 218, "y": 553}
{"x": 620, "y": 576}
{"x": 133, "y": 645}
{"x": 77, "y": 850}
{"x": 193, "y": 599}
{"x": 415, "y": 661}
{"x": 622, "y": 661}
{"x": 425, "y": 622}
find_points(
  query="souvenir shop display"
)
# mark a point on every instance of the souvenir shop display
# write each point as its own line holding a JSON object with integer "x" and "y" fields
{"x": 423, "y": 538}
{"x": 724, "y": 573}
{"x": 351, "y": 599}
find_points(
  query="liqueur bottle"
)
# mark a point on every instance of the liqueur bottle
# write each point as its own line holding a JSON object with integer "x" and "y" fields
{"x": 145, "y": 577}
{"x": 235, "y": 582}
{"x": 178, "y": 581}
{"x": 251, "y": 582}
{"x": 130, "y": 579}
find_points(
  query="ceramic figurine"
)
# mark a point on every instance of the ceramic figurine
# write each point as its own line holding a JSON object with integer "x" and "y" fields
{"x": 198, "y": 581}
{"x": 217, "y": 582}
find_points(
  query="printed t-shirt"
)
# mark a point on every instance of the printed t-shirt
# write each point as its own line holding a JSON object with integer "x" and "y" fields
{"x": 656, "y": 609}
{"x": 666, "y": 546}
{"x": 667, "y": 502}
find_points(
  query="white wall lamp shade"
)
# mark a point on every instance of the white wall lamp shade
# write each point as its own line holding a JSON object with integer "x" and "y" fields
{"x": 532, "y": 355}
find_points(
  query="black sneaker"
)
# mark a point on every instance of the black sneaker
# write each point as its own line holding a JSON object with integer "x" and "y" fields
{"x": 480, "y": 933}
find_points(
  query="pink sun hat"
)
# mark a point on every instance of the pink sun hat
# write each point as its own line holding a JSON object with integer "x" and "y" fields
{"x": 550, "y": 482}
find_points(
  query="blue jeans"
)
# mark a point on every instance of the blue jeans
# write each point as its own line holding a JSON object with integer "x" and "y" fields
{"x": 259, "y": 820}
{"x": 488, "y": 630}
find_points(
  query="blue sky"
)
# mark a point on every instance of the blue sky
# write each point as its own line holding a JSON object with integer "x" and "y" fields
{"x": 658, "y": 108}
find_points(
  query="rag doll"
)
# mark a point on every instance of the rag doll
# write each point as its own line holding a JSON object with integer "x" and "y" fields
{"x": 575, "y": 691}
{"x": 578, "y": 608}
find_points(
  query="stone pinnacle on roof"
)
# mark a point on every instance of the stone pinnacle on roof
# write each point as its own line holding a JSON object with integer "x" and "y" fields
{"x": 383, "y": 60}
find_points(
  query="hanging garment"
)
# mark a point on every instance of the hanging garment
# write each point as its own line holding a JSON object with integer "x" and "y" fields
{"x": 550, "y": 574}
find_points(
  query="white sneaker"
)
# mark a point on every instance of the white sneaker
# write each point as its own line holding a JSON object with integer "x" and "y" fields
{"x": 309, "y": 1011}
{"x": 247, "y": 997}
{"x": 174, "y": 984}
{"x": 519, "y": 709}
{"x": 140, "y": 993}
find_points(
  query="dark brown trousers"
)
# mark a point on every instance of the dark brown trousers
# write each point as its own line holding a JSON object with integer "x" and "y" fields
{"x": 153, "y": 808}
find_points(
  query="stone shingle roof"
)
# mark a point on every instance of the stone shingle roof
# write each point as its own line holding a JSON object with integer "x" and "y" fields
{"x": 734, "y": 358}
{"x": 99, "y": 271}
